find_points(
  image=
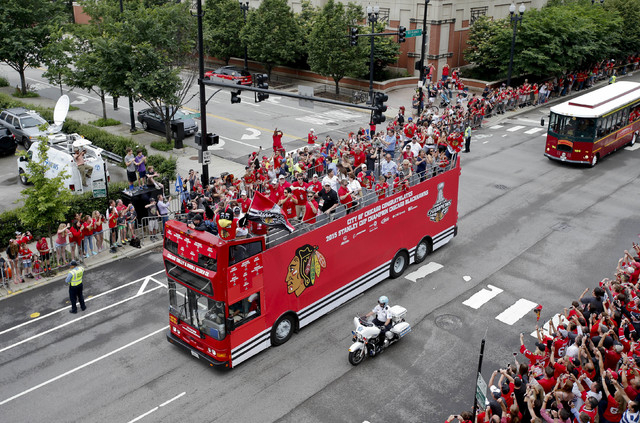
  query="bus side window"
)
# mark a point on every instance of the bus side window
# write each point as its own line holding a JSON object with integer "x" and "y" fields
{"x": 245, "y": 309}
{"x": 238, "y": 253}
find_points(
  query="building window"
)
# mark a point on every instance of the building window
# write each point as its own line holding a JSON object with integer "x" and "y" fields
{"x": 383, "y": 16}
{"x": 476, "y": 12}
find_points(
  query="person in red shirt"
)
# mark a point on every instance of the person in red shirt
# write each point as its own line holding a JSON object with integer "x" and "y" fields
{"x": 365, "y": 177}
{"x": 299, "y": 189}
{"x": 311, "y": 209}
{"x": 75, "y": 242}
{"x": 244, "y": 202}
{"x": 45, "y": 254}
{"x": 25, "y": 255}
{"x": 112, "y": 218}
{"x": 287, "y": 204}
{"x": 315, "y": 184}
{"x": 409, "y": 130}
{"x": 311, "y": 137}
{"x": 445, "y": 72}
{"x": 345, "y": 196}
{"x": 381, "y": 187}
{"x": 277, "y": 140}
{"x": 87, "y": 236}
{"x": 359, "y": 157}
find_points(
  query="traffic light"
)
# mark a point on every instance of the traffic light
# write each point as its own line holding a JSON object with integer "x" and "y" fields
{"x": 354, "y": 36}
{"x": 235, "y": 96}
{"x": 261, "y": 82}
{"x": 379, "y": 108}
{"x": 402, "y": 34}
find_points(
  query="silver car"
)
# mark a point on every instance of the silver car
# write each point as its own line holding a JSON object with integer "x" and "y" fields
{"x": 24, "y": 124}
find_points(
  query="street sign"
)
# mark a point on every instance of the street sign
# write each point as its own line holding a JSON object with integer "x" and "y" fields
{"x": 413, "y": 33}
{"x": 206, "y": 157}
{"x": 99, "y": 189}
{"x": 481, "y": 391}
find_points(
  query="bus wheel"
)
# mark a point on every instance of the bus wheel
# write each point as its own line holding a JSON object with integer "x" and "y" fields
{"x": 422, "y": 250}
{"x": 399, "y": 264}
{"x": 282, "y": 330}
{"x": 633, "y": 139}
{"x": 594, "y": 161}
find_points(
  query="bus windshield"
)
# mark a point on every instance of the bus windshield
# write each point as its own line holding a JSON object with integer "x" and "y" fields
{"x": 577, "y": 128}
{"x": 199, "y": 311}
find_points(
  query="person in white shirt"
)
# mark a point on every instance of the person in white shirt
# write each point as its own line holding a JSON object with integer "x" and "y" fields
{"x": 332, "y": 180}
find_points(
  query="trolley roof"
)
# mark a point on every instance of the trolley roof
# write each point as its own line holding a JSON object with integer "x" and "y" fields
{"x": 601, "y": 101}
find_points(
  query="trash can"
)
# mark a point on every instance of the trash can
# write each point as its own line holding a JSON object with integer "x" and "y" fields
{"x": 177, "y": 130}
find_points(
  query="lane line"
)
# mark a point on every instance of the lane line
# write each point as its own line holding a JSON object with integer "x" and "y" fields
{"x": 87, "y": 364}
{"x": 172, "y": 399}
{"x": 482, "y": 297}
{"x": 141, "y": 416}
{"x": 516, "y": 312}
{"x": 515, "y": 128}
{"x": 533, "y": 131}
{"x": 634, "y": 147}
{"x": 158, "y": 282}
{"x": 66, "y": 308}
{"x": 424, "y": 271}
{"x": 84, "y": 316}
{"x": 143, "y": 287}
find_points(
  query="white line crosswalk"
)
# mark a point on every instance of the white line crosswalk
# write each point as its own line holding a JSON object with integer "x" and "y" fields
{"x": 515, "y": 128}
{"x": 533, "y": 131}
{"x": 516, "y": 312}
{"x": 511, "y": 314}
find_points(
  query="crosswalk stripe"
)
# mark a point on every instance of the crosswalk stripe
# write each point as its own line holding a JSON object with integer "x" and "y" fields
{"x": 533, "y": 130}
{"x": 516, "y": 312}
{"x": 497, "y": 127}
{"x": 424, "y": 271}
{"x": 634, "y": 147}
{"x": 544, "y": 135}
{"x": 515, "y": 128}
{"x": 483, "y": 296}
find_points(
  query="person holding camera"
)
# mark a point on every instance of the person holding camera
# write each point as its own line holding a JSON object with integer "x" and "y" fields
{"x": 85, "y": 170}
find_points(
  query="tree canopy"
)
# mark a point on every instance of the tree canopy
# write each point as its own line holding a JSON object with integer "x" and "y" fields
{"x": 222, "y": 22}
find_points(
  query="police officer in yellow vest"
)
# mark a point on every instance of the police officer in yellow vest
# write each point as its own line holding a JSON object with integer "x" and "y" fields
{"x": 74, "y": 279}
{"x": 467, "y": 138}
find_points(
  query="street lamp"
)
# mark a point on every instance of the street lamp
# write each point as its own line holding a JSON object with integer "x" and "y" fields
{"x": 372, "y": 13}
{"x": 514, "y": 20}
{"x": 244, "y": 7}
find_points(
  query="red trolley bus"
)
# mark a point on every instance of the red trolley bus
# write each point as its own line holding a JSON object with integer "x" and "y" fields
{"x": 586, "y": 129}
{"x": 230, "y": 300}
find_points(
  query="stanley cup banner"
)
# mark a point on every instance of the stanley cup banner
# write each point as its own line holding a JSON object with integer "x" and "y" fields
{"x": 441, "y": 206}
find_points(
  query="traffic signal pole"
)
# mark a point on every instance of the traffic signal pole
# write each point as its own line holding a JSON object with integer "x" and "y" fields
{"x": 203, "y": 98}
{"x": 422, "y": 62}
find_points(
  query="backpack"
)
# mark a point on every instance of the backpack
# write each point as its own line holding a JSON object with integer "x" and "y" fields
{"x": 135, "y": 242}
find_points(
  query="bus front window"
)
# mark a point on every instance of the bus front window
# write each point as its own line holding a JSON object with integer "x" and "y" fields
{"x": 197, "y": 310}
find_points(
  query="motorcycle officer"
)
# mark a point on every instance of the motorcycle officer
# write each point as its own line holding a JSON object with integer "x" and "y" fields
{"x": 383, "y": 317}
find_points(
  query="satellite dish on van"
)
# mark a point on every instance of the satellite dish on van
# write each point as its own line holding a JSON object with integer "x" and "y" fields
{"x": 60, "y": 114}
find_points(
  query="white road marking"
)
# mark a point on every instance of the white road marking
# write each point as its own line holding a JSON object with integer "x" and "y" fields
{"x": 543, "y": 135}
{"x": 497, "y": 127}
{"x": 236, "y": 141}
{"x": 528, "y": 120}
{"x": 466, "y": 278}
{"x": 424, "y": 271}
{"x": 84, "y": 316}
{"x": 634, "y": 147}
{"x": 87, "y": 300}
{"x": 172, "y": 399}
{"x": 143, "y": 286}
{"x": 557, "y": 320}
{"x": 141, "y": 416}
{"x": 80, "y": 100}
{"x": 533, "y": 131}
{"x": 483, "y": 296}
{"x": 484, "y": 142}
{"x": 515, "y": 128}
{"x": 75, "y": 369}
{"x": 516, "y": 311}
{"x": 254, "y": 135}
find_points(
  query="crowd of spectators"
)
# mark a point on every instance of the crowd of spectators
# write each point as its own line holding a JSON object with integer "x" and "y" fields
{"x": 584, "y": 369}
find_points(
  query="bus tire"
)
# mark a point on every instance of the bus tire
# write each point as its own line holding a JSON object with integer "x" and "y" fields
{"x": 594, "y": 160}
{"x": 633, "y": 139}
{"x": 283, "y": 329}
{"x": 422, "y": 250}
{"x": 399, "y": 264}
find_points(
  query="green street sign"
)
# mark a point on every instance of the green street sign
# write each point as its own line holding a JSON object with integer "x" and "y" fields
{"x": 413, "y": 33}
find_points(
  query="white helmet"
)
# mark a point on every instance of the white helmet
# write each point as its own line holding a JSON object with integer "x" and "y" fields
{"x": 383, "y": 300}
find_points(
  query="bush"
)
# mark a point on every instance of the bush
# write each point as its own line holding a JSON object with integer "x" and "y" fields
{"x": 105, "y": 122}
{"x": 162, "y": 145}
{"x": 3, "y": 82}
{"x": 29, "y": 94}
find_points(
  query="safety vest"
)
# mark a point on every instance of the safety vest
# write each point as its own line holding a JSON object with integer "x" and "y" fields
{"x": 467, "y": 132}
{"x": 76, "y": 276}
{"x": 612, "y": 79}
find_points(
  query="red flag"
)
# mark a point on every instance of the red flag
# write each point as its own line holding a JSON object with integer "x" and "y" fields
{"x": 265, "y": 211}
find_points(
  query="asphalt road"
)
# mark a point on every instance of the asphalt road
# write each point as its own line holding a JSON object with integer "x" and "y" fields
{"x": 531, "y": 231}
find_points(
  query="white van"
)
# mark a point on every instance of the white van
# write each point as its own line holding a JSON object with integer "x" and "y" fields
{"x": 61, "y": 151}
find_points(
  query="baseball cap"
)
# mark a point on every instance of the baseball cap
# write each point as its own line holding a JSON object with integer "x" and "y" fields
{"x": 73, "y": 263}
{"x": 315, "y": 175}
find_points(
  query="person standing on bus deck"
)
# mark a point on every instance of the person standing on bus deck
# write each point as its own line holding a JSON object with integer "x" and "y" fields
{"x": 74, "y": 279}
{"x": 467, "y": 139}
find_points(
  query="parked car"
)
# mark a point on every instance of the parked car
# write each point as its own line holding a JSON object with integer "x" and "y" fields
{"x": 24, "y": 124}
{"x": 232, "y": 74}
{"x": 152, "y": 120}
{"x": 8, "y": 142}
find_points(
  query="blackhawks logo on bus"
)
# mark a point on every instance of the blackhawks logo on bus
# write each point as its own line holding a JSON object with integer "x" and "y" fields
{"x": 441, "y": 206}
{"x": 304, "y": 269}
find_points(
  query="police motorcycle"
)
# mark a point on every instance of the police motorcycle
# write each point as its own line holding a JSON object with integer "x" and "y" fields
{"x": 367, "y": 338}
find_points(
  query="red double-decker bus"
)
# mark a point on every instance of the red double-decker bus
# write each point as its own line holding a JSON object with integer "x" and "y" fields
{"x": 230, "y": 300}
{"x": 586, "y": 129}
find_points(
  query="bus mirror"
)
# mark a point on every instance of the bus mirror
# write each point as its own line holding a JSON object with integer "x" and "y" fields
{"x": 230, "y": 324}
{"x": 541, "y": 121}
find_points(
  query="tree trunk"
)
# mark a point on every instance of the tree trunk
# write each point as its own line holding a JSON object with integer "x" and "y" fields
{"x": 104, "y": 104}
{"x": 23, "y": 81}
{"x": 167, "y": 125}
{"x": 60, "y": 82}
{"x": 337, "y": 80}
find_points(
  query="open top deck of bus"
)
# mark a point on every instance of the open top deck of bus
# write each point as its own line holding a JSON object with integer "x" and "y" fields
{"x": 601, "y": 101}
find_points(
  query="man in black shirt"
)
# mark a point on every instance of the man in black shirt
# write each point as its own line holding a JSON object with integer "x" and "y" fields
{"x": 328, "y": 199}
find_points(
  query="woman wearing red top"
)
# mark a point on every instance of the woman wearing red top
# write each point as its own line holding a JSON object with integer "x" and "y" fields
{"x": 112, "y": 216}
{"x": 87, "y": 233}
{"x": 97, "y": 229}
{"x": 345, "y": 196}
{"x": 75, "y": 241}
{"x": 45, "y": 254}
{"x": 61, "y": 242}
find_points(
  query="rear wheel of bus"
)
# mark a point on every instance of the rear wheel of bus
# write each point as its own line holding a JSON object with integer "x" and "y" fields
{"x": 399, "y": 264}
{"x": 283, "y": 329}
{"x": 422, "y": 250}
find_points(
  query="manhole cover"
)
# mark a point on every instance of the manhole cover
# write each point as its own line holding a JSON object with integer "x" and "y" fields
{"x": 332, "y": 124}
{"x": 502, "y": 187}
{"x": 448, "y": 322}
{"x": 561, "y": 227}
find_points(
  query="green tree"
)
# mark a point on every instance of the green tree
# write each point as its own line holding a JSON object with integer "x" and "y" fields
{"x": 46, "y": 201}
{"x": 385, "y": 52}
{"x": 223, "y": 20}
{"x": 330, "y": 53}
{"x": 25, "y": 28}
{"x": 629, "y": 10}
{"x": 272, "y": 34}
{"x": 485, "y": 46}
{"x": 57, "y": 56}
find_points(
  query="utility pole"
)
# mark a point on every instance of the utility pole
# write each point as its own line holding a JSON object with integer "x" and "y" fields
{"x": 204, "y": 142}
{"x": 423, "y": 64}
